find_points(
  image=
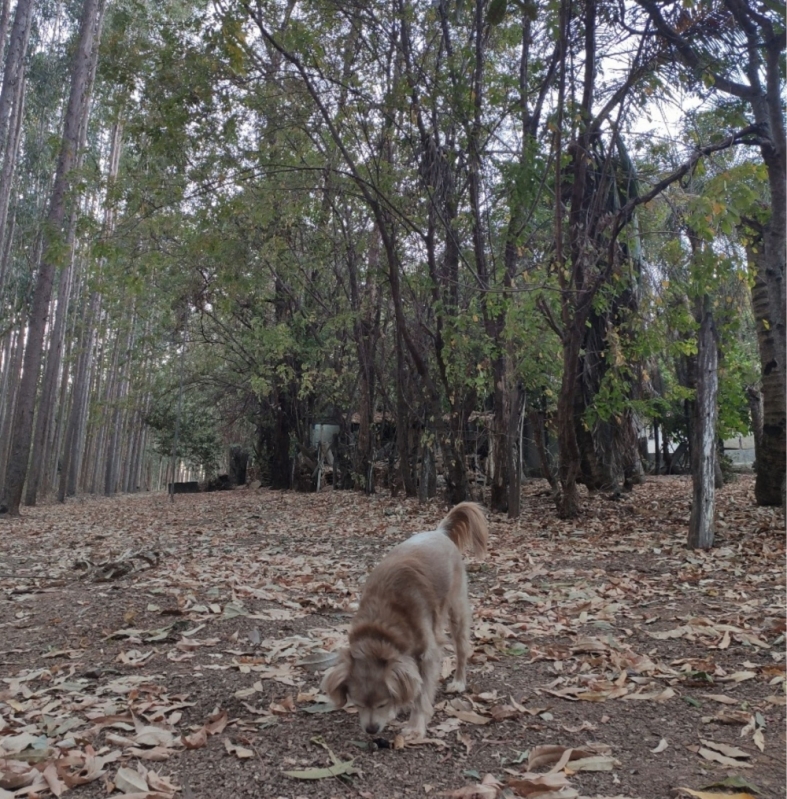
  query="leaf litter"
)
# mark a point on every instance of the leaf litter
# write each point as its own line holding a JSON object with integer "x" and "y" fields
{"x": 101, "y": 692}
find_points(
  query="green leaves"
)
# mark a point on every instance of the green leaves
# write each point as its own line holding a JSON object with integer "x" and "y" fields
{"x": 496, "y": 12}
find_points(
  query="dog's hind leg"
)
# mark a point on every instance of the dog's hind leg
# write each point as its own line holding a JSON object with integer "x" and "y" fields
{"x": 460, "y": 630}
{"x": 423, "y": 708}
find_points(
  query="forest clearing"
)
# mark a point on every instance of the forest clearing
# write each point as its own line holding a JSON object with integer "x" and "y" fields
{"x": 281, "y": 282}
{"x": 161, "y": 649}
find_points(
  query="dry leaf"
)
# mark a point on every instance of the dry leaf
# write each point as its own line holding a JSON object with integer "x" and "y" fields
{"x": 716, "y": 794}
{"x": 488, "y": 788}
{"x": 129, "y": 781}
{"x": 468, "y": 715}
{"x": 241, "y": 752}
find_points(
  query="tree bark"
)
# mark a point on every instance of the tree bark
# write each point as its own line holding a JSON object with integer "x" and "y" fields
{"x": 704, "y": 410}
{"x": 46, "y": 403}
{"x": 770, "y": 450}
{"x": 754, "y": 396}
{"x": 73, "y": 447}
{"x": 116, "y": 427}
{"x": 5, "y": 18}
{"x": 12, "y": 374}
{"x": 13, "y": 73}
{"x": 7, "y": 177}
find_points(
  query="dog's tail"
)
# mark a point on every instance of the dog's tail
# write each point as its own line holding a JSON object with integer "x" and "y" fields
{"x": 466, "y": 526}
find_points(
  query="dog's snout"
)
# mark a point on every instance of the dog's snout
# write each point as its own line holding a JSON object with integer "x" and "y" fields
{"x": 372, "y": 728}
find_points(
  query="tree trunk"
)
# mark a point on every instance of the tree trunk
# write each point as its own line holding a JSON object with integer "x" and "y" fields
{"x": 12, "y": 375}
{"x": 92, "y": 12}
{"x": 754, "y": 396}
{"x": 7, "y": 176}
{"x": 73, "y": 447}
{"x": 704, "y": 411}
{"x": 13, "y": 73}
{"x": 116, "y": 427}
{"x": 766, "y": 296}
{"x": 516, "y": 409}
{"x": 403, "y": 424}
{"x": 5, "y": 18}
{"x": 569, "y": 463}
{"x": 280, "y": 462}
{"x": 538, "y": 425}
{"x": 46, "y": 403}
{"x": 656, "y": 450}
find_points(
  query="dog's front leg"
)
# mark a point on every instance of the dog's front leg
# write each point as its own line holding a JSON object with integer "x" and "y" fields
{"x": 422, "y": 708}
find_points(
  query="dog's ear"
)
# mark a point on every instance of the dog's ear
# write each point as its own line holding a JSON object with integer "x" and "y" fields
{"x": 403, "y": 679}
{"x": 334, "y": 683}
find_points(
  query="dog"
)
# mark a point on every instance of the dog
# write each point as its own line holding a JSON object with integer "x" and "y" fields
{"x": 395, "y": 653}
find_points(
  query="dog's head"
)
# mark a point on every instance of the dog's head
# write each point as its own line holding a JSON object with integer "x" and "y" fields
{"x": 377, "y": 678}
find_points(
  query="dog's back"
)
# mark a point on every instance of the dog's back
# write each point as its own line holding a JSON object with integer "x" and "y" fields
{"x": 423, "y": 574}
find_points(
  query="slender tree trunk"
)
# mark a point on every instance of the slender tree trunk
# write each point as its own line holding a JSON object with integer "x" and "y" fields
{"x": 516, "y": 410}
{"x": 5, "y": 18}
{"x": 538, "y": 425}
{"x": 656, "y": 450}
{"x": 46, "y": 403}
{"x": 75, "y": 426}
{"x": 569, "y": 464}
{"x": 74, "y": 445}
{"x": 7, "y": 177}
{"x": 703, "y": 444}
{"x": 754, "y": 396}
{"x": 403, "y": 422}
{"x": 78, "y": 104}
{"x": 12, "y": 376}
{"x": 11, "y": 117}
{"x": 13, "y": 73}
{"x": 116, "y": 427}
{"x": 367, "y": 305}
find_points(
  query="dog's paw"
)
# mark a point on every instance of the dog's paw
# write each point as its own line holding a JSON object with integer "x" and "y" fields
{"x": 456, "y": 687}
{"x": 414, "y": 731}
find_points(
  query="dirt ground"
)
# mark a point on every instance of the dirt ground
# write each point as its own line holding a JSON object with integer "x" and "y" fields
{"x": 176, "y": 649}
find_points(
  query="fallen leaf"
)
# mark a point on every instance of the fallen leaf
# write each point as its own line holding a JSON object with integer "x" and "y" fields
{"x": 196, "y": 740}
{"x": 129, "y": 781}
{"x": 488, "y": 788}
{"x": 716, "y": 794}
{"x": 468, "y": 716}
{"x": 345, "y": 767}
{"x": 241, "y": 752}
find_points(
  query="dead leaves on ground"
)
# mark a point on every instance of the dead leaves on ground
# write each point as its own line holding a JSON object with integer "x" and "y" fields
{"x": 613, "y": 609}
{"x": 48, "y": 719}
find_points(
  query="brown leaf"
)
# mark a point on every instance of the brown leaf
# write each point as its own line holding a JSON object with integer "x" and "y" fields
{"x": 217, "y": 722}
{"x": 196, "y": 740}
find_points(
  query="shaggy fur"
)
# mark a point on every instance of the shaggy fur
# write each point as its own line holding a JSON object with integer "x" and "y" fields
{"x": 395, "y": 652}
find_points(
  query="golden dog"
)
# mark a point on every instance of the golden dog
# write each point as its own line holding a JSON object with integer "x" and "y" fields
{"x": 395, "y": 643}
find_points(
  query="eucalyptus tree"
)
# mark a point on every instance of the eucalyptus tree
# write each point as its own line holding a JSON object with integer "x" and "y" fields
{"x": 78, "y": 106}
{"x": 11, "y": 104}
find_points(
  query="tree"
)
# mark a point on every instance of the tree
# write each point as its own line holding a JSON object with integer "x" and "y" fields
{"x": 735, "y": 48}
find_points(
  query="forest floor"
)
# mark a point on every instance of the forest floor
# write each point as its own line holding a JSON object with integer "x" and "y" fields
{"x": 164, "y": 650}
